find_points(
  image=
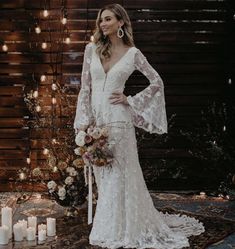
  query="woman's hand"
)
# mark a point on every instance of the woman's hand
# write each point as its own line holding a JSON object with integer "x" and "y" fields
{"x": 118, "y": 98}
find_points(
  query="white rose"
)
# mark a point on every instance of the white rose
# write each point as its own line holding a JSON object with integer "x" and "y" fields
{"x": 62, "y": 193}
{"x": 80, "y": 138}
{"x": 51, "y": 185}
{"x": 73, "y": 173}
{"x": 96, "y": 133}
{"x": 77, "y": 151}
{"x": 69, "y": 169}
{"x": 68, "y": 180}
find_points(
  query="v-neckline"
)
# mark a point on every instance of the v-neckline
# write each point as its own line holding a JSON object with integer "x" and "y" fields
{"x": 115, "y": 62}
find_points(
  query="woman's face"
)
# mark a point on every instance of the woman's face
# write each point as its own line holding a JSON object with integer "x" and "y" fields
{"x": 109, "y": 23}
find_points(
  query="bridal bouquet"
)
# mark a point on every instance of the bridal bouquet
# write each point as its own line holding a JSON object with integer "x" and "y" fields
{"x": 93, "y": 146}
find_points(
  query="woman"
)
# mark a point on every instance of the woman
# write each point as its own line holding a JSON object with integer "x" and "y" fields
{"x": 125, "y": 215}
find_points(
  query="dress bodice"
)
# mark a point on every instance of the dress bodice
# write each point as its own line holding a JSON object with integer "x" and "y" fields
{"x": 145, "y": 110}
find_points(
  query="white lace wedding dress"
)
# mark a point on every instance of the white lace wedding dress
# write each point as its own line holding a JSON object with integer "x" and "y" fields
{"x": 125, "y": 215}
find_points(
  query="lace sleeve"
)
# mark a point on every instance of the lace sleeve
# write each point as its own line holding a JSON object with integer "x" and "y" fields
{"x": 148, "y": 106}
{"x": 83, "y": 115}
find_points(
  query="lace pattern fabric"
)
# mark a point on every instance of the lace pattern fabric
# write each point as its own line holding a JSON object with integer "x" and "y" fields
{"x": 125, "y": 214}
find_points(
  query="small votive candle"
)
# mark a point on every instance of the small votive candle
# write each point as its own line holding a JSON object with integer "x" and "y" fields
{"x": 18, "y": 232}
{"x": 24, "y": 226}
{"x": 51, "y": 226}
{"x": 42, "y": 235}
{"x": 4, "y": 237}
{"x": 31, "y": 233}
{"x": 32, "y": 222}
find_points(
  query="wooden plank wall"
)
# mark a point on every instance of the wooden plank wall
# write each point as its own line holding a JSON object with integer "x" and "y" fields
{"x": 190, "y": 44}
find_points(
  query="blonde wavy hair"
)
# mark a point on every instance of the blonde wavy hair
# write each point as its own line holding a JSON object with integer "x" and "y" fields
{"x": 102, "y": 42}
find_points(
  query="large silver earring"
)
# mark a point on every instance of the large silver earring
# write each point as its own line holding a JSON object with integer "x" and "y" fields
{"x": 120, "y": 32}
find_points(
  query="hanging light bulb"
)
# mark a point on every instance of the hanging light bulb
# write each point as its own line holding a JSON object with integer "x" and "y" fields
{"x": 54, "y": 141}
{"x": 38, "y": 108}
{"x": 35, "y": 94}
{"x": 43, "y": 78}
{"x": 45, "y": 151}
{"x": 229, "y": 81}
{"x": 44, "y": 45}
{"x": 54, "y": 86}
{"x": 67, "y": 40}
{"x": 22, "y": 176}
{"x": 64, "y": 20}
{"x": 4, "y": 47}
{"x": 28, "y": 160}
{"x": 37, "y": 29}
{"x": 224, "y": 128}
{"x": 92, "y": 38}
{"x": 45, "y": 13}
{"x": 53, "y": 100}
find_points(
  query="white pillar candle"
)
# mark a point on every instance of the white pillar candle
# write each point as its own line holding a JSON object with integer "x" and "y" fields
{"x": 51, "y": 226}
{"x": 31, "y": 233}
{"x": 4, "y": 237}
{"x": 32, "y": 222}
{"x": 42, "y": 227}
{"x": 7, "y": 219}
{"x": 42, "y": 234}
{"x": 18, "y": 232}
{"x": 24, "y": 227}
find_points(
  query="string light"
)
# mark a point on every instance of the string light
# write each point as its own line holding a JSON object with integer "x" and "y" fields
{"x": 28, "y": 160}
{"x": 38, "y": 108}
{"x": 43, "y": 78}
{"x": 229, "y": 81}
{"x": 45, "y": 151}
{"x": 4, "y": 47}
{"x": 22, "y": 176}
{"x": 64, "y": 20}
{"x": 224, "y": 128}
{"x": 35, "y": 94}
{"x": 54, "y": 87}
{"x": 54, "y": 141}
{"x": 37, "y": 29}
{"x": 67, "y": 40}
{"x": 53, "y": 100}
{"x": 92, "y": 38}
{"x": 45, "y": 13}
{"x": 44, "y": 45}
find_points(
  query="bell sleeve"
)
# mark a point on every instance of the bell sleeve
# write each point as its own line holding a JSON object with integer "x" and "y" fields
{"x": 148, "y": 106}
{"x": 83, "y": 117}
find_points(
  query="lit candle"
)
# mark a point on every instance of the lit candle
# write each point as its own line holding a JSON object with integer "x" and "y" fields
{"x": 24, "y": 227}
{"x": 4, "y": 237}
{"x": 7, "y": 219}
{"x": 32, "y": 222}
{"x": 18, "y": 232}
{"x": 42, "y": 235}
{"x": 31, "y": 233}
{"x": 51, "y": 226}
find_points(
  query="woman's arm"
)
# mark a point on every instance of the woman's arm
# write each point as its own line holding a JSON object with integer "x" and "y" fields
{"x": 83, "y": 117}
{"x": 148, "y": 106}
